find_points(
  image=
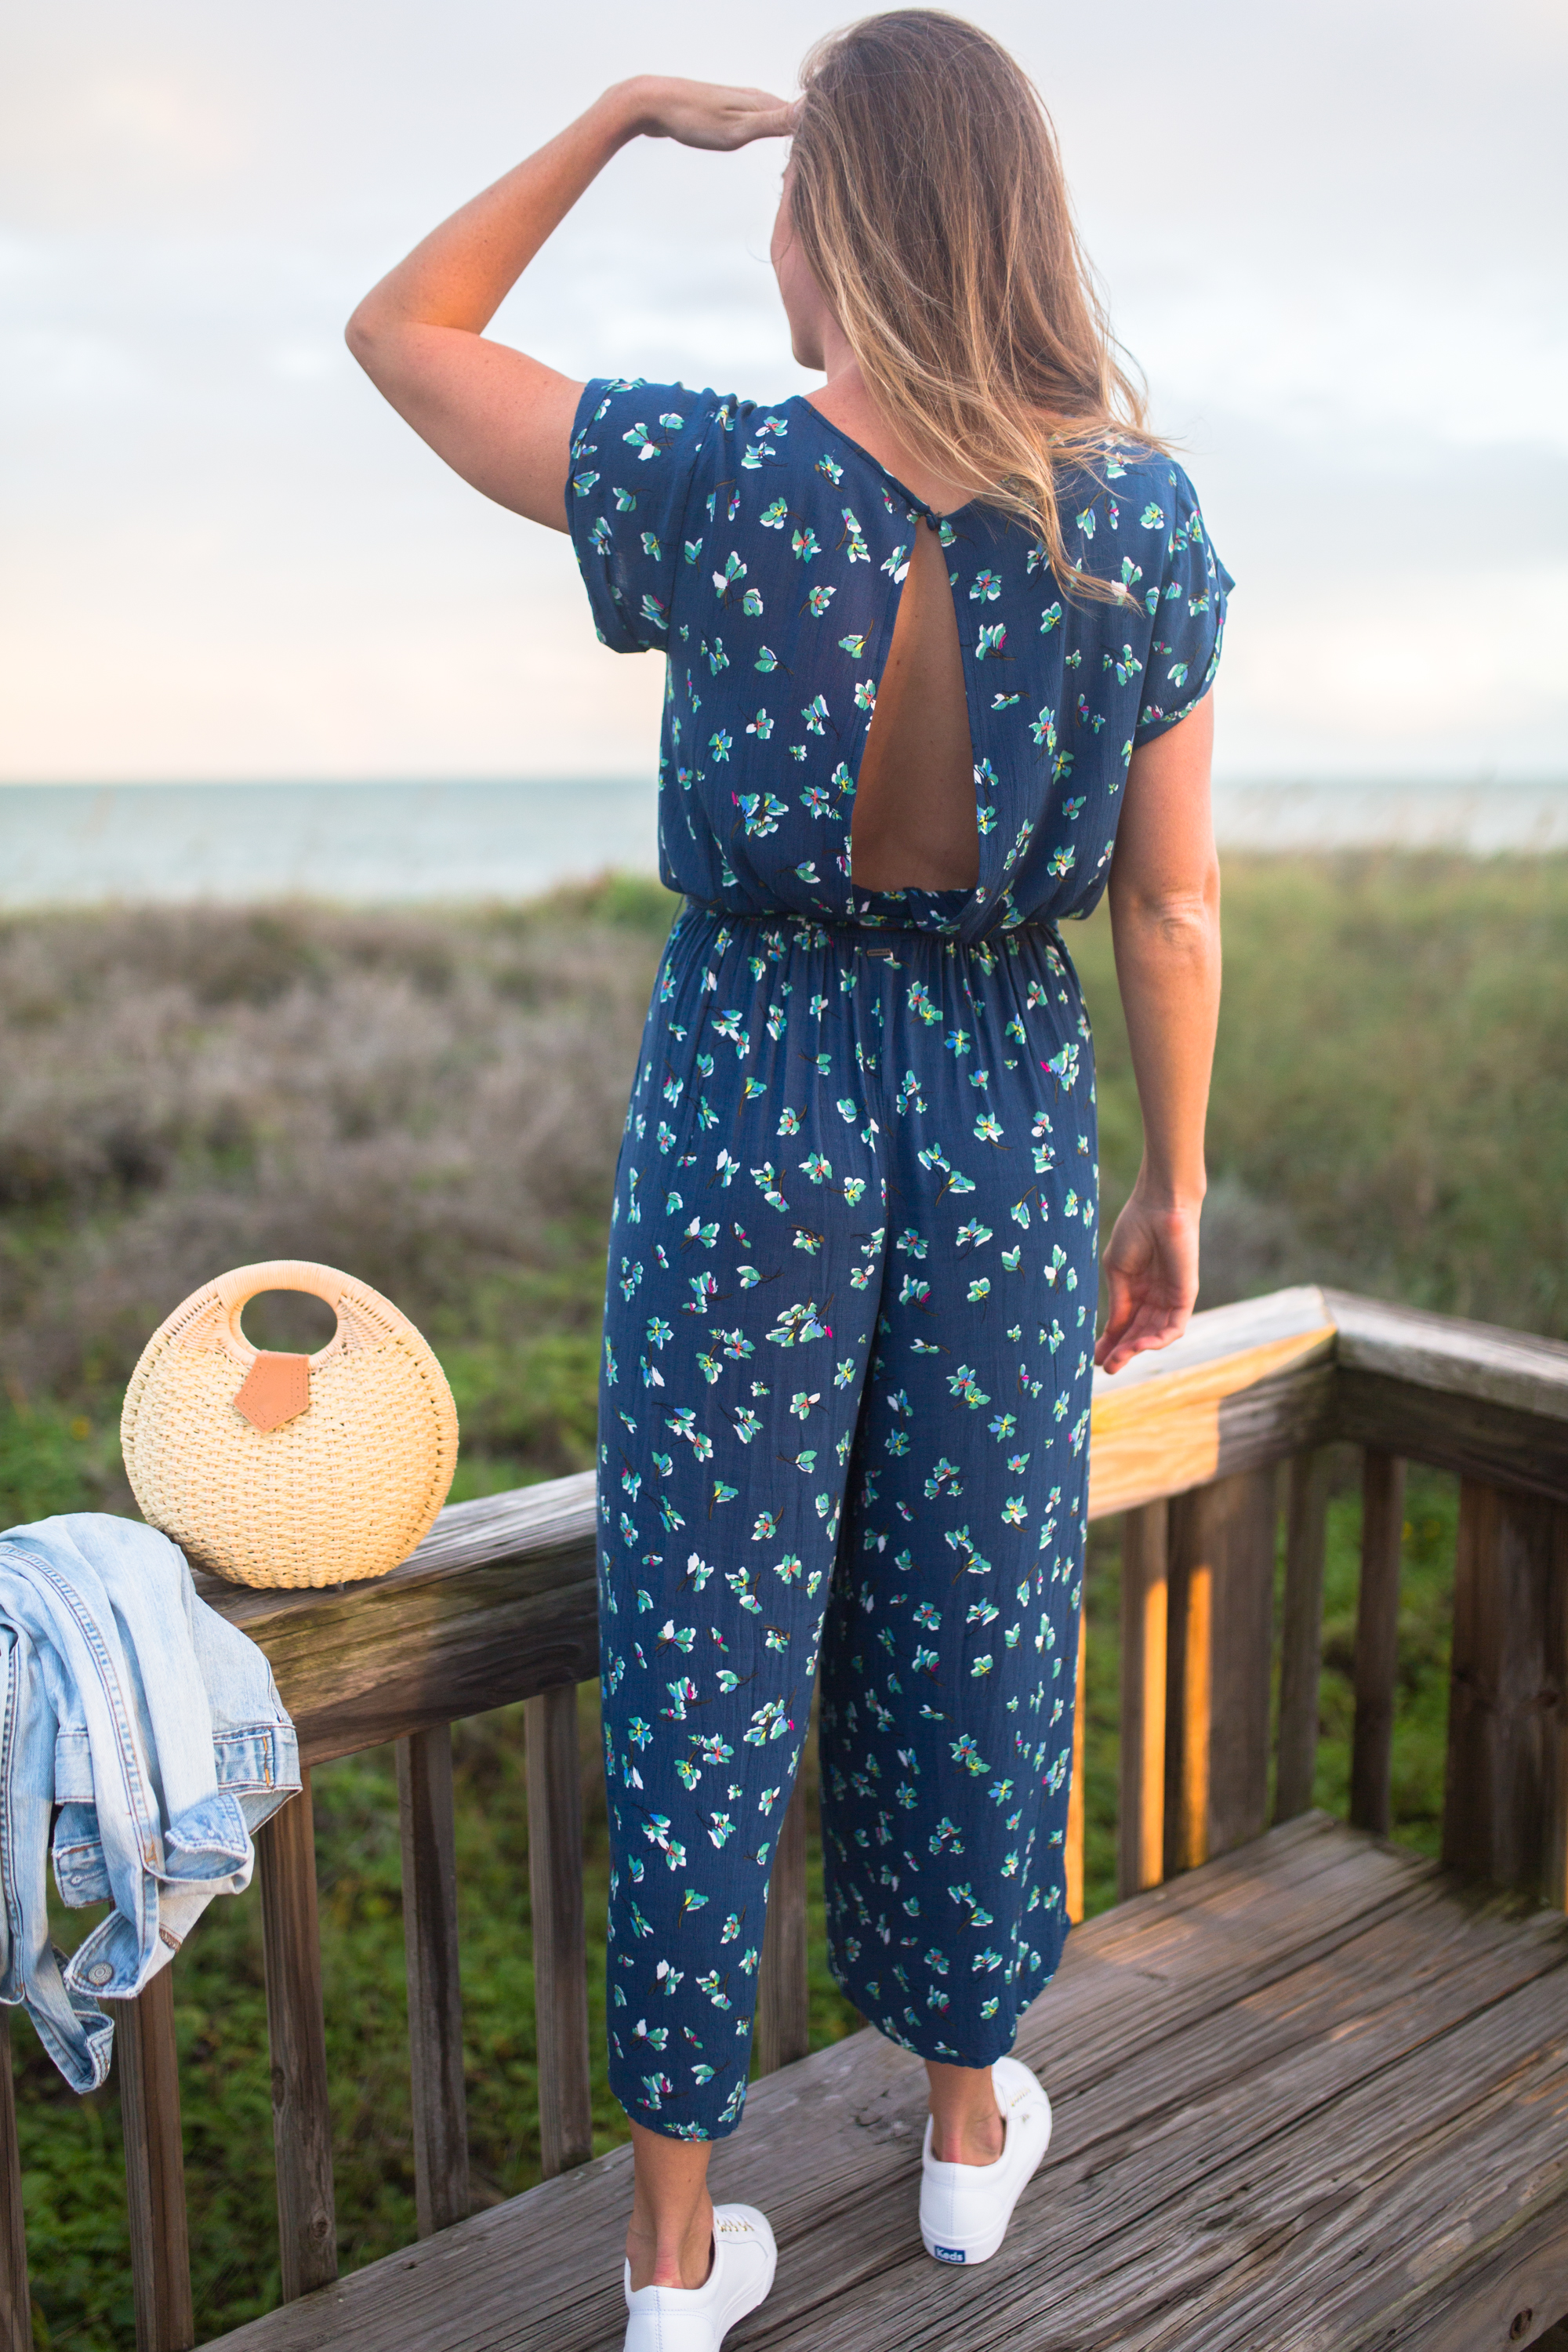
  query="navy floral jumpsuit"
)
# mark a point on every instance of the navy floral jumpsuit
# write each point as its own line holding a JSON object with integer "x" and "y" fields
{"x": 845, "y": 1400}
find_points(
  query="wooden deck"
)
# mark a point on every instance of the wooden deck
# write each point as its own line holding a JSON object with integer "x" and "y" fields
{"x": 1311, "y": 2097}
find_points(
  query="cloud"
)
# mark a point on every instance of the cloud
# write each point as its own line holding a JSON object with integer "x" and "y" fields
{"x": 1329, "y": 236}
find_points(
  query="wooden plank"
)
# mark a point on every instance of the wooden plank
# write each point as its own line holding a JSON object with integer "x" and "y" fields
{"x": 1377, "y": 1641}
{"x": 1073, "y": 1851}
{"x": 1488, "y": 2287}
{"x": 435, "y": 1988}
{"x": 560, "y": 1947}
{"x": 1243, "y": 1638}
{"x": 1555, "y": 1874}
{"x": 1188, "y": 1704}
{"x": 782, "y": 2032}
{"x": 1166, "y": 2220}
{"x": 1219, "y": 2099}
{"x": 1315, "y": 1883}
{"x": 15, "y": 2300}
{"x": 1167, "y": 1447}
{"x": 147, "y": 2066}
{"x": 1302, "y": 1639}
{"x": 497, "y": 1604}
{"x": 1141, "y": 1825}
{"x": 1220, "y": 1611}
{"x": 1498, "y": 1444}
{"x": 1293, "y": 2099}
{"x": 296, "y": 2032}
{"x": 1280, "y": 1907}
{"x": 493, "y": 1531}
{"x": 1479, "y": 1362}
{"x": 1222, "y": 1335}
{"x": 1503, "y": 1800}
{"x": 1439, "y": 2177}
{"x": 1246, "y": 1384}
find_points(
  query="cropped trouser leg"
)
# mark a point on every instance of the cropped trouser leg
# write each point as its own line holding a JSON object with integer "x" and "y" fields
{"x": 845, "y": 1408}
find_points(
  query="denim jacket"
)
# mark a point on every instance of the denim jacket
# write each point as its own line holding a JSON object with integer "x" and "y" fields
{"x": 156, "y": 1730}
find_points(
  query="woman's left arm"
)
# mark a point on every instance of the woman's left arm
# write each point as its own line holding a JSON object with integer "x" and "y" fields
{"x": 500, "y": 418}
{"x": 1164, "y": 921}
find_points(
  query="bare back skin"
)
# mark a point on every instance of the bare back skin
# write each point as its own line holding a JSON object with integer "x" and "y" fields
{"x": 914, "y": 823}
{"x": 914, "y": 826}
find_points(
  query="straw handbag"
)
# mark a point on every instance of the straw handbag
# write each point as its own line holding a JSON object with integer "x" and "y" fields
{"x": 281, "y": 1469}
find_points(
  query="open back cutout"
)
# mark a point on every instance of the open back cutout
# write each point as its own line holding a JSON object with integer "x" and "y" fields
{"x": 913, "y": 827}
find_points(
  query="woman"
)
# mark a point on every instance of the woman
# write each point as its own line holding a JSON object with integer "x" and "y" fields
{"x": 931, "y": 630}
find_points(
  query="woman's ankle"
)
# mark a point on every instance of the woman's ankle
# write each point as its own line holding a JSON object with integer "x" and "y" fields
{"x": 977, "y": 2138}
{"x": 669, "y": 2240}
{"x": 966, "y": 2123}
{"x": 673, "y": 2262}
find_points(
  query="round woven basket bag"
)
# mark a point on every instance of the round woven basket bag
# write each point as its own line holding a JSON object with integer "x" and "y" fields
{"x": 278, "y": 1469}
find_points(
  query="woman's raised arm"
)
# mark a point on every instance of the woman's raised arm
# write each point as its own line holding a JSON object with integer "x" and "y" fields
{"x": 500, "y": 418}
{"x": 1165, "y": 920}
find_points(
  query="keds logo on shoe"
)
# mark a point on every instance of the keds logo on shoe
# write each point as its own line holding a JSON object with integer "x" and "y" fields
{"x": 948, "y": 2254}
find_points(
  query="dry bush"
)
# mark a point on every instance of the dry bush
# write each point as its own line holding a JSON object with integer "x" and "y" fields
{"x": 424, "y": 1098}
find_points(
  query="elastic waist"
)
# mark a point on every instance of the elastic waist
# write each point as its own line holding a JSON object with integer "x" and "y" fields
{"x": 856, "y": 931}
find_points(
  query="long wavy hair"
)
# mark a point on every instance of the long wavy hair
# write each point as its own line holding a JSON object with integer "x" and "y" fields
{"x": 928, "y": 195}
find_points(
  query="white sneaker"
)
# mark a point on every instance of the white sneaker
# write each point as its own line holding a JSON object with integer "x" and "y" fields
{"x": 695, "y": 2318}
{"x": 965, "y": 2208}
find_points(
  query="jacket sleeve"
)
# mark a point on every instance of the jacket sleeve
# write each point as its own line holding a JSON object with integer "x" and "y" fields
{"x": 1189, "y": 617}
{"x": 636, "y": 452}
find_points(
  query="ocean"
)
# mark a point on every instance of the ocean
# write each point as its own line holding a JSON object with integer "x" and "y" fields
{"x": 72, "y": 844}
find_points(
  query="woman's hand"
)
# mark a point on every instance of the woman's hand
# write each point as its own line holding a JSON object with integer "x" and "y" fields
{"x": 705, "y": 113}
{"x": 1151, "y": 1268}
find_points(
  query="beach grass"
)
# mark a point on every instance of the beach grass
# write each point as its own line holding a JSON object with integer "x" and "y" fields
{"x": 435, "y": 1100}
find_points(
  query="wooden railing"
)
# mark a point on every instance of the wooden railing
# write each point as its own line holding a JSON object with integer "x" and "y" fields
{"x": 1188, "y": 1447}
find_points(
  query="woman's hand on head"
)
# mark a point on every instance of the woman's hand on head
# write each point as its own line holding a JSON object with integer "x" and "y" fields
{"x": 707, "y": 113}
{"x": 500, "y": 418}
{"x": 1152, "y": 1272}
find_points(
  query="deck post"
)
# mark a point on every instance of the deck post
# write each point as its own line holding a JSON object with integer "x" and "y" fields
{"x": 1555, "y": 1874}
{"x": 1301, "y": 1638}
{"x": 1141, "y": 1849}
{"x": 1377, "y": 1642}
{"x": 783, "y": 2031}
{"x": 1221, "y": 1618}
{"x": 435, "y": 1992}
{"x": 296, "y": 2030}
{"x": 15, "y": 2300}
{"x": 1073, "y": 1851}
{"x": 1505, "y": 1808}
{"x": 560, "y": 1942}
{"x": 148, "y": 2067}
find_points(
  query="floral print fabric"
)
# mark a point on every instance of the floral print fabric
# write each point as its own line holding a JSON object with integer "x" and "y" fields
{"x": 763, "y": 553}
{"x": 844, "y": 1407}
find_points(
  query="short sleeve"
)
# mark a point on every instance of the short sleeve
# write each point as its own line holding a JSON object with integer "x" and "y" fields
{"x": 636, "y": 448}
{"x": 1189, "y": 617}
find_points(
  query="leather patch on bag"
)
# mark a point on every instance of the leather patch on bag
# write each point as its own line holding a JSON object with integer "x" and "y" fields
{"x": 276, "y": 1389}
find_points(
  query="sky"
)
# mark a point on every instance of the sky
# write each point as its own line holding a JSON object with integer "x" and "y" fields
{"x": 1332, "y": 236}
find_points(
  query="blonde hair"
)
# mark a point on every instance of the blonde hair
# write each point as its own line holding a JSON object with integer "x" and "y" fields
{"x": 929, "y": 199}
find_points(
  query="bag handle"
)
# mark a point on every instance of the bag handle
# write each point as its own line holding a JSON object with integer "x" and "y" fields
{"x": 235, "y": 1291}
